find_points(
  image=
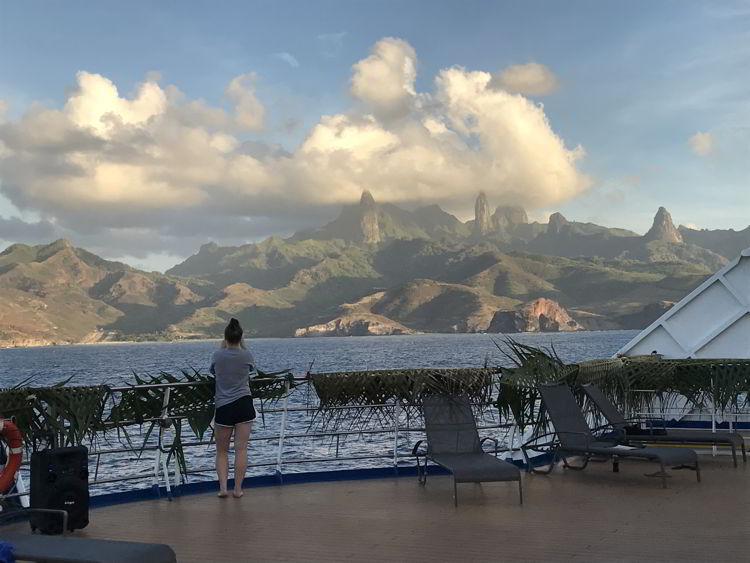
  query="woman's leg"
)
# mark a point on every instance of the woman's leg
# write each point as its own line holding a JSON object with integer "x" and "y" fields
{"x": 223, "y": 436}
{"x": 241, "y": 437}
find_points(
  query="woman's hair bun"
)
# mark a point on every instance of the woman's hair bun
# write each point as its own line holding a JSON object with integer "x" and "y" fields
{"x": 233, "y": 331}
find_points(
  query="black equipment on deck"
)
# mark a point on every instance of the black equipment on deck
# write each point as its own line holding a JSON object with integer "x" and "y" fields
{"x": 60, "y": 481}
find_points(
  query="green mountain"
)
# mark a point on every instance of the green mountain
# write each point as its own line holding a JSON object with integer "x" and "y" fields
{"x": 375, "y": 269}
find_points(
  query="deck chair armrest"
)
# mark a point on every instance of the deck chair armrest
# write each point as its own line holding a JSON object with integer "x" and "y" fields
{"x": 532, "y": 443}
{"x": 483, "y": 440}
{"x": 415, "y": 450}
{"x": 550, "y": 446}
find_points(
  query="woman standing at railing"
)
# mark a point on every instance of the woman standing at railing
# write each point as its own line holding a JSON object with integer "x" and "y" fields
{"x": 232, "y": 366}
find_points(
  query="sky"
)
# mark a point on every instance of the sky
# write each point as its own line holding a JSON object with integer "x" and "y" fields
{"x": 141, "y": 130}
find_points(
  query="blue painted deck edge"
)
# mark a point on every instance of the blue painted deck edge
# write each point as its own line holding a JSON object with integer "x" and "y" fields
{"x": 200, "y": 487}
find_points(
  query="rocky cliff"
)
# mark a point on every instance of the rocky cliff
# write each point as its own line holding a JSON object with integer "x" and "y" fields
{"x": 539, "y": 315}
{"x": 354, "y": 325}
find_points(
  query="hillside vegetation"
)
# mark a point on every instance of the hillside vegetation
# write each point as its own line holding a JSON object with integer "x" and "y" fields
{"x": 376, "y": 269}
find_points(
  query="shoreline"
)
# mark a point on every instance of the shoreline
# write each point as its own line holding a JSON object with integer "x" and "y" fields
{"x": 186, "y": 340}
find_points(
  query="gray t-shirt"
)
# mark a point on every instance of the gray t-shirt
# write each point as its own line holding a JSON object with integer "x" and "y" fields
{"x": 232, "y": 368}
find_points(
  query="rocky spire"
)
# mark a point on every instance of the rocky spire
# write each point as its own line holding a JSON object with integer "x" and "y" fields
{"x": 557, "y": 223}
{"x": 368, "y": 218}
{"x": 663, "y": 229}
{"x": 482, "y": 217}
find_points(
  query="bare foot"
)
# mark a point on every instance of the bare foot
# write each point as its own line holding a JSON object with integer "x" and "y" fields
{"x": 237, "y": 494}
{"x": 222, "y": 494}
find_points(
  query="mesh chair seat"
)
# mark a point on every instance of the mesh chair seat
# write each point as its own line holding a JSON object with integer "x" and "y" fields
{"x": 475, "y": 468}
{"x": 671, "y": 457}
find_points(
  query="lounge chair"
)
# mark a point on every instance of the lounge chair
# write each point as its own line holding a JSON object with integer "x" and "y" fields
{"x": 69, "y": 549}
{"x": 574, "y": 438}
{"x": 636, "y": 433}
{"x": 453, "y": 443}
{"x": 28, "y": 547}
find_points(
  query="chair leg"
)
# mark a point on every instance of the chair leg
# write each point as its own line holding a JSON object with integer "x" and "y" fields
{"x": 734, "y": 455}
{"x": 553, "y": 461}
{"x": 744, "y": 455}
{"x": 576, "y": 467}
{"x": 455, "y": 493}
{"x": 697, "y": 471}
{"x": 664, "y": 475}
{"x": 520, "y": 492}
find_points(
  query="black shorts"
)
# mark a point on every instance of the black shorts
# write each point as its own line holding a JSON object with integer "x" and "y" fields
{"x": 236, "y": 412}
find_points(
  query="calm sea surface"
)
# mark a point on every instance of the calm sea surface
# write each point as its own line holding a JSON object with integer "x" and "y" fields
{"x": 115, "y": 364}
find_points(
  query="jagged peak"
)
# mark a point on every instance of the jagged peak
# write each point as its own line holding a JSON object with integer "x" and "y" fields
{"x": 368, "y": 221}
{"x": 663, "y": 228}
{"x": 60, "y": 243}
{"x": 367, "y": 200}
{"x": 208, "y": 247}
{"x": 482, "y": 217}
{"x": 48, "y": 250}
{"x": 556, "y": 222}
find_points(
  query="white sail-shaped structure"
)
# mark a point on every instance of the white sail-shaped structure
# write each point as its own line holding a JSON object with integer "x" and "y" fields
{"x": 713, "y": 321}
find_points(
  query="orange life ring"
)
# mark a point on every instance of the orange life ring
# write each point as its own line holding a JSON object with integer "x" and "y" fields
{"x": 13, "y": 437}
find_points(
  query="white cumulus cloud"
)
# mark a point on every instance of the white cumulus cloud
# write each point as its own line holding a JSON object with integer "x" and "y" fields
{"x": 530, "y": 79}
{"x": 702, "y": 143}
{"x": 162, "y": 163}
{"x": 250, "y": 112}
{"x": 385, "y": 79}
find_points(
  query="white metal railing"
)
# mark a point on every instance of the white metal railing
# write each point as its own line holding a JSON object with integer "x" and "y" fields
{"x": 162, "y": 474}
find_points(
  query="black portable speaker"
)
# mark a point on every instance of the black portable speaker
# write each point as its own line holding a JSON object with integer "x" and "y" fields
{"x": 60, "y": 481}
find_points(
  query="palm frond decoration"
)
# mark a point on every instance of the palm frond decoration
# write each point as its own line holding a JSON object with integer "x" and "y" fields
{"x": 377, "y": 391}
{"x": 68, "y": 415}
{"x": 57, "y": 415}
{"x": 636, "y": 383}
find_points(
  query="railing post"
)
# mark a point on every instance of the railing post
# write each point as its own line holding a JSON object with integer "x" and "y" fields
{"x": 396, "y": 415}
{"x": 178, "y": 479}
{"x": 157, "y": 461}
{"x": 159, "y": 458}
{"x": 21, "y": 489}
{"x": 713, "y": 412}
{"x": 511, "y": 441}
{"x": 282, "y": 432}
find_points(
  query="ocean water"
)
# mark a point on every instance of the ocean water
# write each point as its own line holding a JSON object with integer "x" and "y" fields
{"x": 115, "y": 364}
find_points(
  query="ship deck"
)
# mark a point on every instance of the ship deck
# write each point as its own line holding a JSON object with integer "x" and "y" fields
{"x": 591, "y": 515}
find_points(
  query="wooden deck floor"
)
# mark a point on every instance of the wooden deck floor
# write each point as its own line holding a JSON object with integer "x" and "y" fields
{"x": 594, "y": 515}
